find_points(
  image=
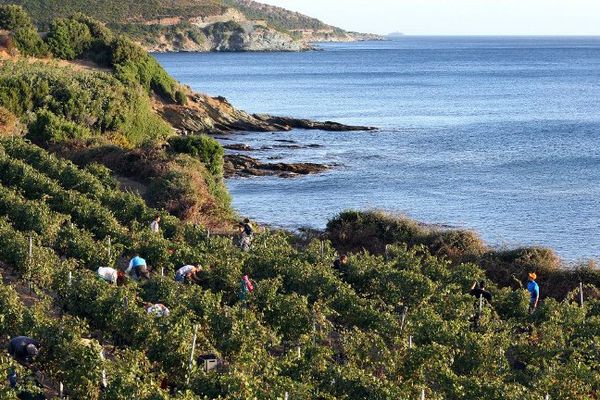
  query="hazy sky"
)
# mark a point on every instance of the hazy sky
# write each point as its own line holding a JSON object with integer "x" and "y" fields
{"x": 456, "y": 17}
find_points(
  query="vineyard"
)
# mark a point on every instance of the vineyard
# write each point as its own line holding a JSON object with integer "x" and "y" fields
{"x": 397, "y": 322}
{"x": 389, "y": 327}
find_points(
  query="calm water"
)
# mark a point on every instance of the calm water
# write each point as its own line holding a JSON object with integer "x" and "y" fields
{"x": 501, "y": 135}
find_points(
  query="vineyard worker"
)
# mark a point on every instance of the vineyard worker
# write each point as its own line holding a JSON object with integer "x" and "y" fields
{"x": 137, "y": 268}
{"x": 158, "y": 310}
{"x": 23, "y": 349}
{"x": 534, "y": 290}
{"x": 341, "y": 264}
{"x": 108, "y": 274}
{"x": 154, "y": 226}
{"x": 246, "y": 287}
{"x": 188, "y": 273}
{"x": 247, "y": 234}
{"x": 478, "y": 290}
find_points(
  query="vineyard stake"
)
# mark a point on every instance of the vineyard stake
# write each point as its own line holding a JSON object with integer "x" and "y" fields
{"x": 109, "y": 249}
{"x": 192, "y": 353}
{"x": 581, "y": 293}
{"x": 104, "y": 380}
{"x": 480, "y": 305}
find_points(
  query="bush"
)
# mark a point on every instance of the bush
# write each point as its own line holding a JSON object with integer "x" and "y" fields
{"x": 26, "y": 38}
{"x": 68, "y": 39}
{"x": 50, "y": 128}
{"x": 203, "y": 147}
{"x": 181, "y": 97}
{"x": 133, "y": 65}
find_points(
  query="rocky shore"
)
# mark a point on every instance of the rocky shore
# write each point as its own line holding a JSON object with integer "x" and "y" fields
{"x": 215, "y": 115}
{"x": 238, "y": 165}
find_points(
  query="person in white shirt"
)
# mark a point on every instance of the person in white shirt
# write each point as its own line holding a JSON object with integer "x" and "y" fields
{"x": 154, "y": 226}
{"x": 158, "y": 310}
{"x": 108, "y": 274}
{"x": 187, "y": 273}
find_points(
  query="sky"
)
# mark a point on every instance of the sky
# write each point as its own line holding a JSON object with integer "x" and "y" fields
{"x": 455, "y": 17}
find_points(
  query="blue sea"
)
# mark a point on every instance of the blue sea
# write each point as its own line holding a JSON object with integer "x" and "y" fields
{"x": 496, "y": 134}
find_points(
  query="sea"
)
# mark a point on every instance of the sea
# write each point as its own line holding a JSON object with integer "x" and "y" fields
{"x": 500, "y": 135}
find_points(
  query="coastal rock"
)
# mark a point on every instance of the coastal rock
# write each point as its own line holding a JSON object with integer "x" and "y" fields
{"x": 239, "y": 147}
{"x": 215, "y": 115}
{"x": 291, "y": 123}
{"x": 245, "y": 166}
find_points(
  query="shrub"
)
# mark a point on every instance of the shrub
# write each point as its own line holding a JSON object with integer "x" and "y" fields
{"x": 50, "y": 128}
{"x": 68, "y": 39}
{"x": 203, "y": 147}
{"x": 26, "y": 38}
{"x": 181, "y": 97}
{"x": 133, "y": 65}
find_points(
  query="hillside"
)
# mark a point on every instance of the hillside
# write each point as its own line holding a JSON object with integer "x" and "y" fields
{"x": 197, "y": 25}
{"x": 87, "y": 116}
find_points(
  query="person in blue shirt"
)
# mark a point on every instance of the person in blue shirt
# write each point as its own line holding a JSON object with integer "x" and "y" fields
{"x": 534, "y": 290}
{"x": 137, "y": 268}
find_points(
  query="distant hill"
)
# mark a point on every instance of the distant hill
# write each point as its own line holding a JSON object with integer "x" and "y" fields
{"x": 197, "y": 25}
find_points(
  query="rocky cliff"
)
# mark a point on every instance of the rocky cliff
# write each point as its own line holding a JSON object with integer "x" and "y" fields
{"x": 198, "y": 25}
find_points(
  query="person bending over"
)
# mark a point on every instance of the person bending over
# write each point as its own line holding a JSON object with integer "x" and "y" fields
{"x": 188, "y": 273}
{"x": 23, "y": 349}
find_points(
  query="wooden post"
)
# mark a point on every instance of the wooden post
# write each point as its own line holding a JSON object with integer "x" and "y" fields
{"x": 109, "y": 249}
{"x": 547, "y": 397}
{"x": 480, "y": 305}
{"x": 299, "y": 353}
{"x": 30, "y": 247}
{"x": 207, "y": 234}
{"x": 410, "y": 342}
{"x": 60, "y": 390}
{"x": 422, "y": 394}
{"x": 70, "y": 278}
{"x": 191, "y": 364}
{"x": 322, "y": 249}
{"x": 386, "y": 252}
{"x": 286, "y": 396}
{"x": 581, "y": 294}
{"x": 104, "y": 380}
{"x": 162, "y": 272}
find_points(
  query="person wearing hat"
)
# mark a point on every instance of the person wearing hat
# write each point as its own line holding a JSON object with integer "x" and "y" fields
{"x": 23, "y": 349}
{"x": 534, "y": 290}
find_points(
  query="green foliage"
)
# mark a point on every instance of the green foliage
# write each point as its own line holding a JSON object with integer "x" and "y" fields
{"x": 48, "y": 127}
{"x": 76, "y": 105}
{"x": 203, "y": 147}
{"x": 133, "y": 65}
{"x": 68, "y": 39}
{"x": 14, "y": 18}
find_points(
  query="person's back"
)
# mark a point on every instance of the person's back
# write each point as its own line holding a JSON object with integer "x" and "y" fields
{"x": 108, "y": 274}
{"x": 185, "y": 272}
{"x": 23, "y": 348}
{"x": 478, "y": 290}
{"x": 155, "y": 224}
{"x": 138, "y": 268}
